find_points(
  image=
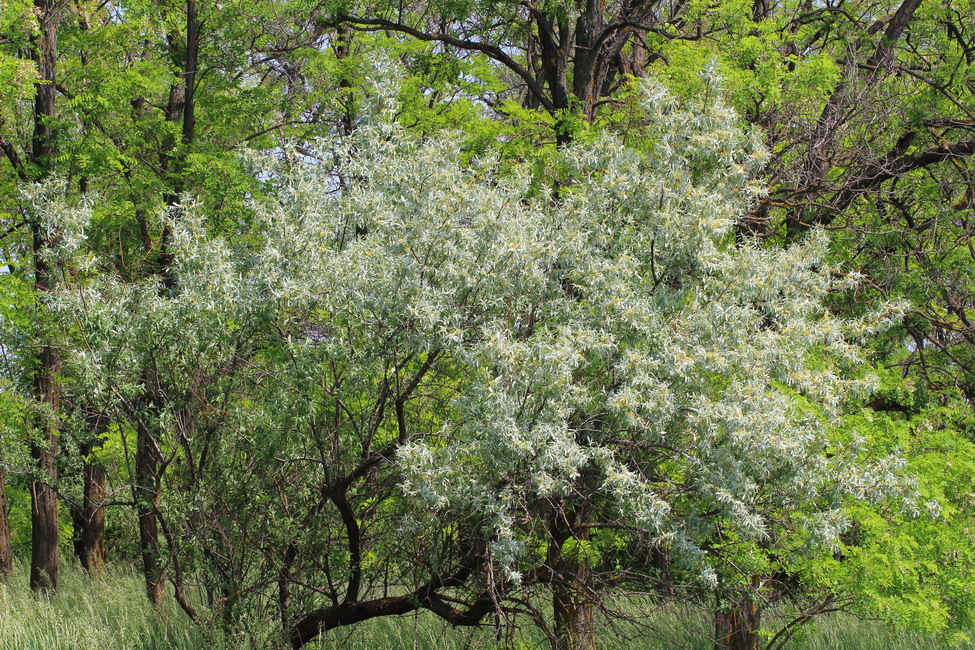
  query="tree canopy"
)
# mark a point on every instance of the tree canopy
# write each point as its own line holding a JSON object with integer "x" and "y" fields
{"x": 330, "y": 311}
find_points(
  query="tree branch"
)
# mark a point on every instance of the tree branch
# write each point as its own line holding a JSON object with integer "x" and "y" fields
{"x": 892, "y": 166}
{"x": 493, "y": 51}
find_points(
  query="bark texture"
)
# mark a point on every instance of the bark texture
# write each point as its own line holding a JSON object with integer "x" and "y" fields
{"x": 572, "y": 592}
{"x": 147, "y": 503}
{"x": 90, "y": 519}
{"x": 44, "y": 500}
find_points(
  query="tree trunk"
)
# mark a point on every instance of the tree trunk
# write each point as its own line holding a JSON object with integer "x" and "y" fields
{"x": 147, "y": 502}
{"x": 572, "y": 592}
{"x": 736, "y": 626}
{"x": 43, "y": 498}
{"x": 572, "y": 610}
{"x": 553, "y": 39}
{"x": 89, "y": 519}
{"x": 44, "y": 501}
{"x": 90, "y": 522}
{"x": 180, "y": 107}
{"x": 189, "y": 71}
{"x": 660, "y": 561}
{"x": 586, "y": 57}
{"x": 6, "y": 555}
{"x": 342, "y": 51}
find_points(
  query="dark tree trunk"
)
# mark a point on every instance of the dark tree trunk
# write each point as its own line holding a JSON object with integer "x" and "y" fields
{"x": 44, "y": 501}
{"x": 284, "y": 587}
{"x": 180, "y": 107}
{"x": 425, "y": 597}
{"x": 6, "y": 555}
{"x": 736, "y": 626}
{"x": 89, "y": 516}
{"x": 572, "y": 592}
{"x": 342, "y": 51}
{"x": 587, "y": 56}
{"x": 660, "y": 561}
{"x": 554, "y": 39}
{"x": 90, "y": 522}
{"x": 147, "y": 502}
{"x": 43, "y": 498}
{"x": 189, "y": 71}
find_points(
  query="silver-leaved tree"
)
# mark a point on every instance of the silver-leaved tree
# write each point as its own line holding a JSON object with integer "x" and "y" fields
{"x": 418, "y": 381}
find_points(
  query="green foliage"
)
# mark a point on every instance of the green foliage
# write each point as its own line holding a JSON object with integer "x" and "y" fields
{"x": 579, "y": 321}
{"x": 912, "y": 568}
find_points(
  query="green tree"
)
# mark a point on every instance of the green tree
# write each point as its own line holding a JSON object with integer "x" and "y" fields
{"x": 441, "y": 337}
{"x": 149, "y": 103}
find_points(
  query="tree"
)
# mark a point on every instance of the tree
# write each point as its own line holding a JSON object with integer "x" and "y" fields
{"x": 136, "y": 126}
{"x": 565, "y": 58}
{"x": 865, "y": 115}
{"x": 448, "y": 340}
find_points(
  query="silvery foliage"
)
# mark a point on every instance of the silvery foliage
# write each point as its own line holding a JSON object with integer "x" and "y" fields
{"x": 616, "y": 331}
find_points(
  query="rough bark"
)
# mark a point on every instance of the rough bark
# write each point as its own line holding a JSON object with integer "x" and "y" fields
{"x": 342, "y": 51}
{"x": 90, "y": 545}
{"x": 572, "y": 593}
{"x": 147, "y": 503}
{"x": 44, "y": 501}
{"x": 181, "y": 107}
{"x": 189, "y": 71}
{"x": 587, "y": 56}
{"x": 90, "y": 523}
{"x": 88, "y": 517}
{"x": 284, "y": 587}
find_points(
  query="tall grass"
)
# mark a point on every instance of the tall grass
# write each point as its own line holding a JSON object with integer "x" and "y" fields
{"x": 665, "y": 630}
{"x": 112, "y": 612}
{"x": 107, "y": 613}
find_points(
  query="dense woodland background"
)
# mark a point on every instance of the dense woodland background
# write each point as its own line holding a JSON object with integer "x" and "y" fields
{"x": 534, "y": 315}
